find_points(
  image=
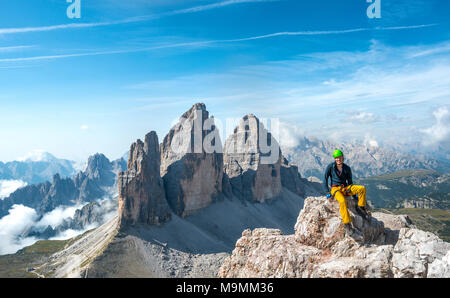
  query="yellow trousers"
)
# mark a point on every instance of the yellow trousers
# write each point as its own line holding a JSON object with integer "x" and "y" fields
{"x": 340, "y": 193}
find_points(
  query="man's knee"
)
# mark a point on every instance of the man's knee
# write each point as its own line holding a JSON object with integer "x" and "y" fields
{"x": 339, "y": 197}
{"x": 361, "y": 188}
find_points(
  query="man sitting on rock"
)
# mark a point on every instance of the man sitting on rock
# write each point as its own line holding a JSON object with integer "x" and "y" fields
{"x": 341, "y": 186}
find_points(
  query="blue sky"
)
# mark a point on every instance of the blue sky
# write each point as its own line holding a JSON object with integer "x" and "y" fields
{"x": 74, "y": 87}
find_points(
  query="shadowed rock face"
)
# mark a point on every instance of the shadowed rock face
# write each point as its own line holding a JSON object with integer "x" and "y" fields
{"x": 252, "y": 160}
{"x": 291, "y": 179}
{"x": 141, "y": 190}
{"x": 192, "y": 162}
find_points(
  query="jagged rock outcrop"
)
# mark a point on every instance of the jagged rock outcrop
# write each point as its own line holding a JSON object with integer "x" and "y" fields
{"x": 319, "y": 248}
{"x": 192, "y": 162}
{"x": 291, "y": 178}
{"x": 252, "y": 161}
{"x": 142, "y": 197}
{"x": 100, "y": 169}
{"x": 319, "y": 224}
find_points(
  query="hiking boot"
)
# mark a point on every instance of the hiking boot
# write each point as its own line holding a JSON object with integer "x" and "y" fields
{"x": 349, "y": 229}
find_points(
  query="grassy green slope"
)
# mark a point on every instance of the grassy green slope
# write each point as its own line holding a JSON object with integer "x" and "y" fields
{"x": 436, "y": 221}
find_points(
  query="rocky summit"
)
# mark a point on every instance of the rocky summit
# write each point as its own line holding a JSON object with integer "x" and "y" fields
{"x": 142, "y": 197}
{"x": 385, "y": 246}
{"x": 192, "y": 162}
{"x": 252, "y": 161}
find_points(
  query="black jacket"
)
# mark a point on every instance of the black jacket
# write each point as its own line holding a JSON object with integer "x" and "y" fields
{"x": 332, "y": 172}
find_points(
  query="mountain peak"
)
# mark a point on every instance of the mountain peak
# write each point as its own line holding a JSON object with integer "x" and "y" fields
{"x": 36, "y": 156}
{"x": 142, "y": 198}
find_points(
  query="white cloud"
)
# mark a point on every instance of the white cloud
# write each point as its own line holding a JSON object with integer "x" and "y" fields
{"x": 84, "y": 127}
{"x": 56, "y": 217}
{"x": 197, "y": 43}
{"x": 363, "y": 117}
{"x": 37, "y": 155}
{"x": 214, "y": 5}
{"x": 4, "y": 31}
{"x": 67, "y": 234}
{"x": 14, "y": 48}
{"x": 12, "y": 225}
{"x": 370, "y": 141}
{"x": 289, "y": 135}
{"x": 7, "y": 187}
{"x": 20, "y": 218}
{"x": 440, "y": 131}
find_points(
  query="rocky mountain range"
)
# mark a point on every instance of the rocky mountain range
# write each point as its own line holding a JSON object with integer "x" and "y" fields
{"x": 182, "y": 177}
{"x": 312, "y": 156}
{"x": 89, "y": 187}
{"x": 176, "y": 199}
{"x": 182, "y": 206}
{"x": 36, "y": 170}
{"x": 96, "y": 181}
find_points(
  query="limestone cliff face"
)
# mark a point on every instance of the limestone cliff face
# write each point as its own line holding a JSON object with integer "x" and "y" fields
{"x": 192, "y": 162}
{"x": 387, "y": 246}
{"x": 141, "y": 190}
{"x": 252, "y": 160}
{"x": 291, "y": 179}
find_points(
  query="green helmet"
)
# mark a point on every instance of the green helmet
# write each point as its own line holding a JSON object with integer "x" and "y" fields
{"x": 337, "y": 153}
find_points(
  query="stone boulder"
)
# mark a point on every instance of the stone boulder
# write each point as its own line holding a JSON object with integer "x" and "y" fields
{"x": 319, "y": 224}
{"x": 418, "y": 250}
{"x": 267, "y": 253}
{"x": 141, "y": 190}
{"x": 252, "y": 161}
{"x": 192, "y": 162}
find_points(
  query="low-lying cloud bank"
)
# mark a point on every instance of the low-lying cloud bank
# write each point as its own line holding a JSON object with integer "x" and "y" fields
{"x": 7, "y": 187}
{"x": 21, "y": 218}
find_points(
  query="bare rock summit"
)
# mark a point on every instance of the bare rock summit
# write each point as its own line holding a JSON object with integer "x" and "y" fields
{"x": 142, "y": 195}
{"x": 192, "y": 162}
{"x": 387, "y": 246}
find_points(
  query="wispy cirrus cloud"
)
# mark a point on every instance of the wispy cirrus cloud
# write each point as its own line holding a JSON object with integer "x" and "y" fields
{"x": 14, "y": 48}
{"x": 210, "y": 42}
{"x": 381, "y": 91}
{"x": 143, "y": 18}
{"x": 213, "y": 6}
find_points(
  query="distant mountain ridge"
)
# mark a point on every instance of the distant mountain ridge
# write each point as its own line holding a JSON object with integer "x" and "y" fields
{"x": 93, "y": 184}
{"x": 36, "y": 168}
{"x": 312, "y": 155}
{"x": 409, "y": 189}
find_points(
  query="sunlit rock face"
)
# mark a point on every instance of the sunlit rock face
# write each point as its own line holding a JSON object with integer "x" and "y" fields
{"x": 192, "y": 162}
